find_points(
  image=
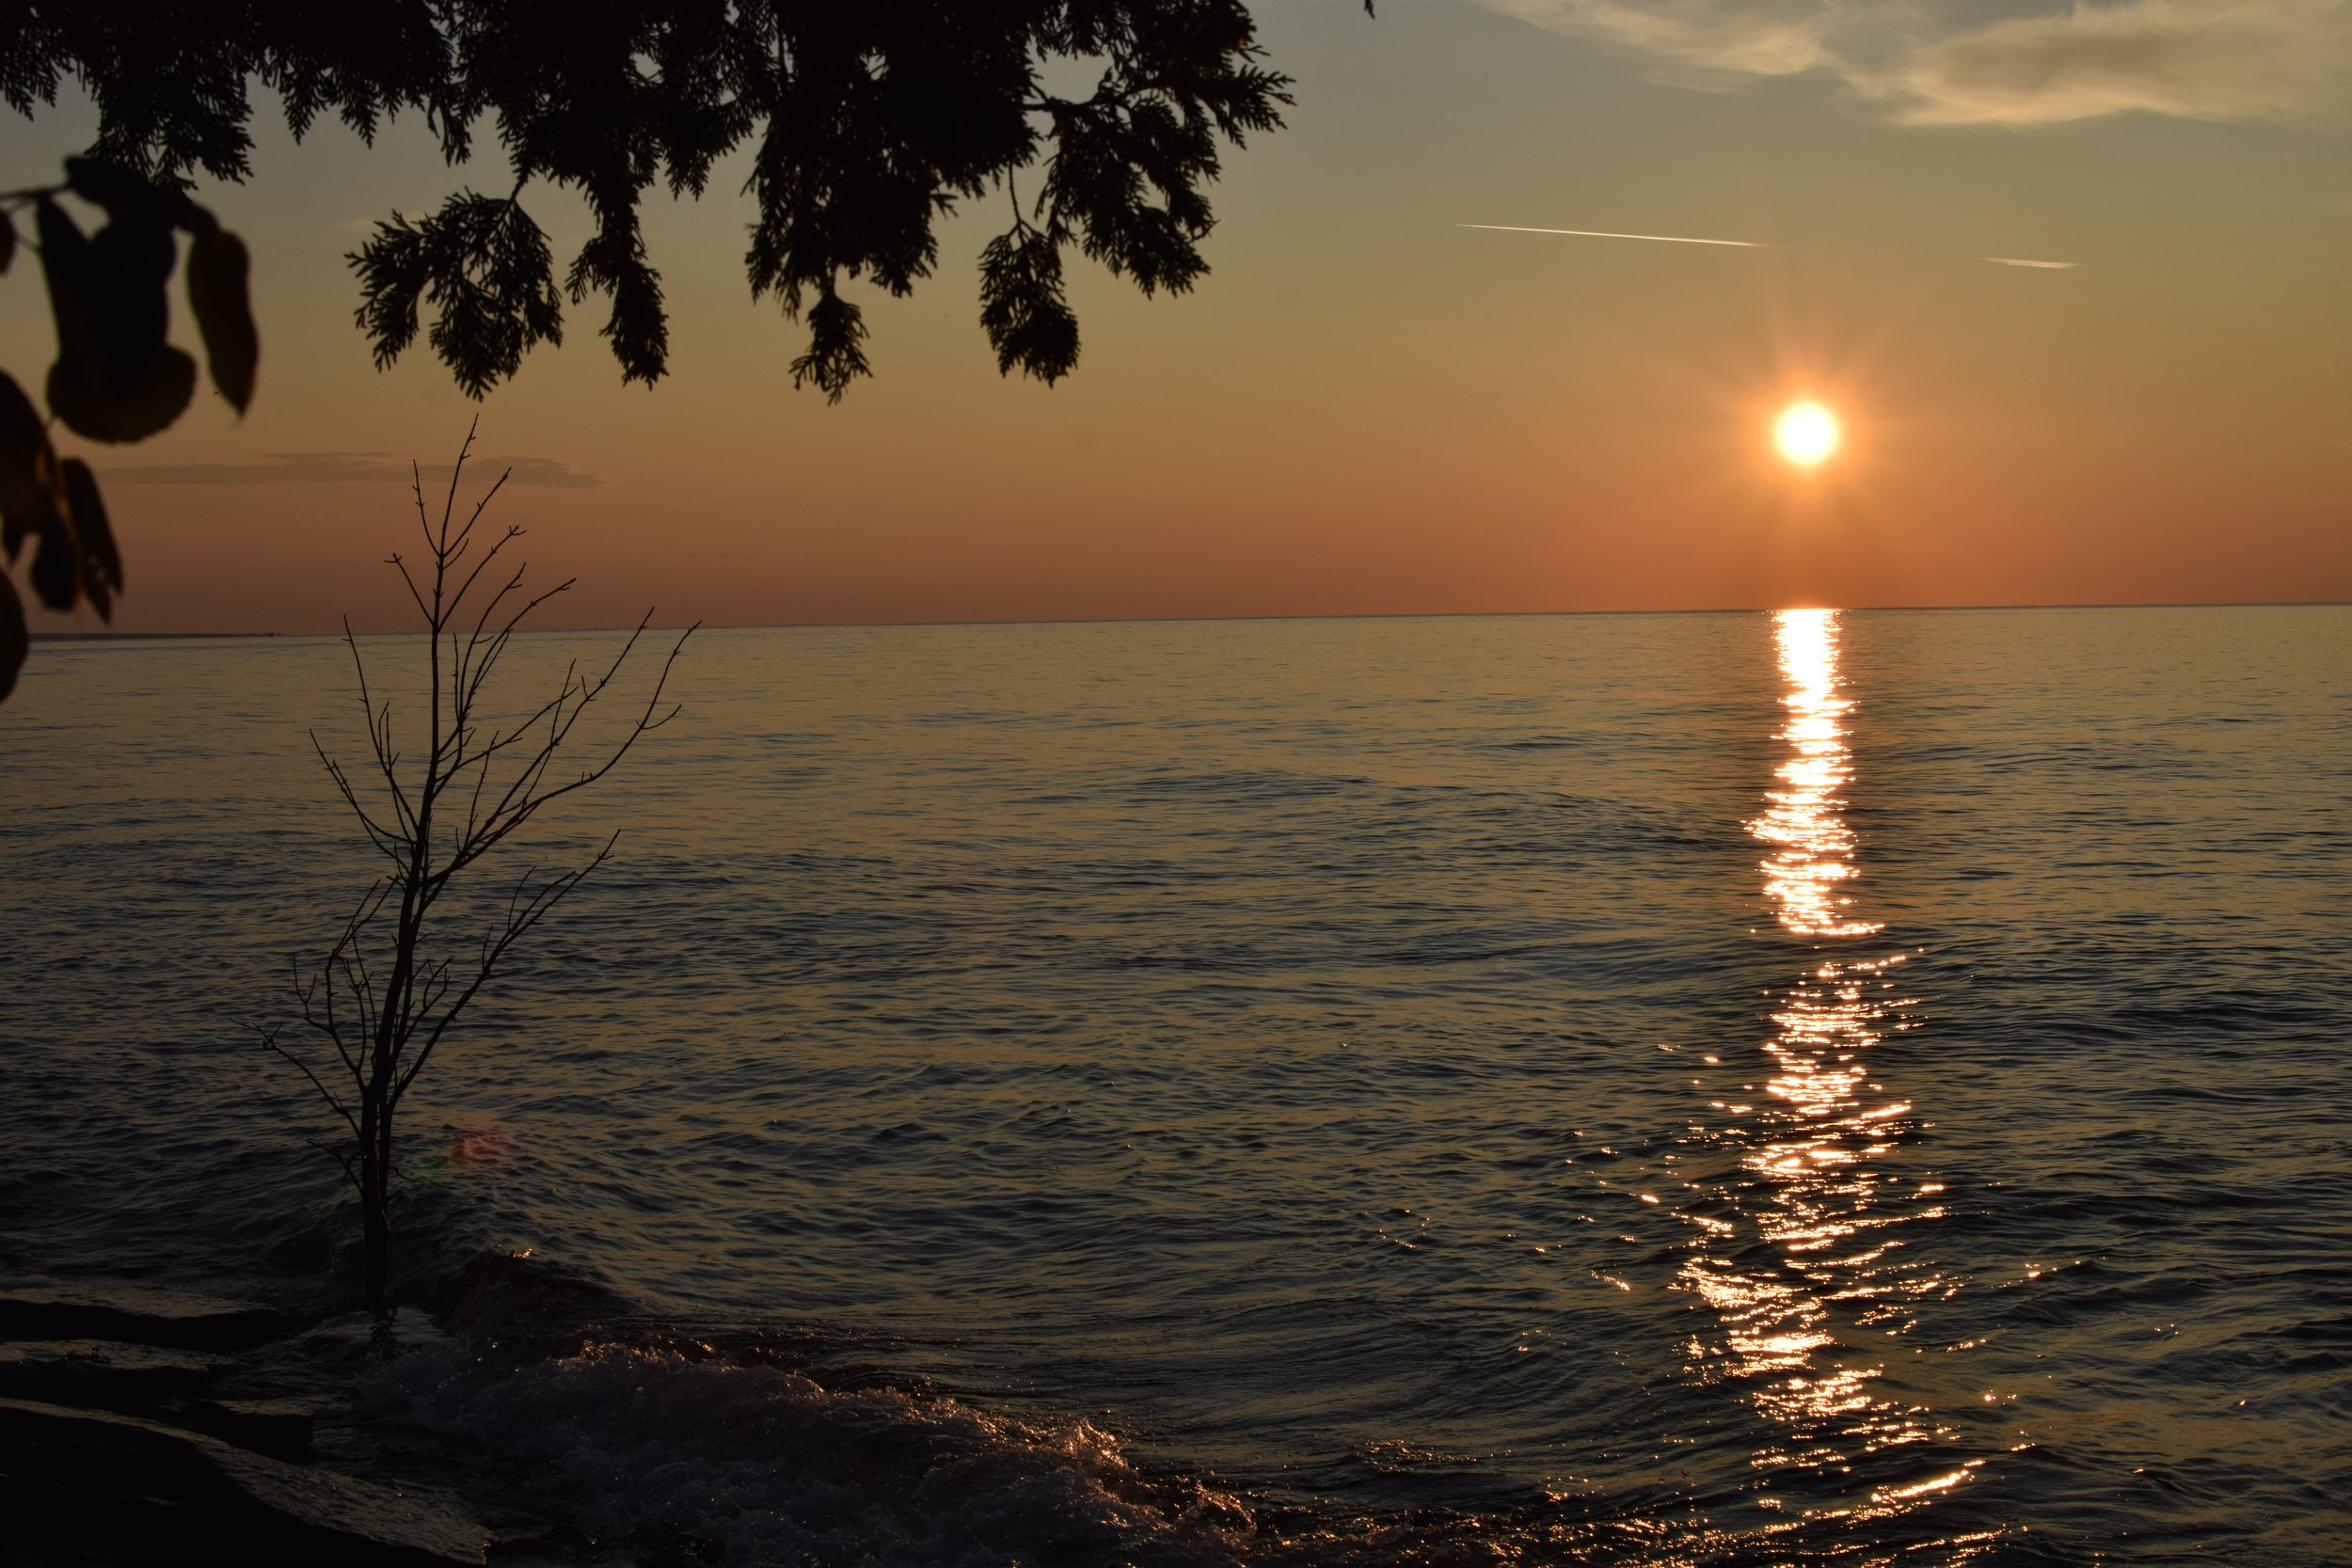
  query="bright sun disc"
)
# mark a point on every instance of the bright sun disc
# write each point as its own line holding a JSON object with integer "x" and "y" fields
{"x": 1806, "y": 434}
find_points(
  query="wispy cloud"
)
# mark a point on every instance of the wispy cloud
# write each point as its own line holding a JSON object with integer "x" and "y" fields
{"x": 1606, "y": 234}
{"x": 2194, "y": 59}
{"x": 350, "y": 467}
{"x": 1749, "y": 38}
{"x": 2025, "y": 261}
{"x": 2048, "y": 61}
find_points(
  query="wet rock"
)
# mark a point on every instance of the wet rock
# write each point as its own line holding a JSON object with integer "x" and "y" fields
{"x": 279, "y": 1428}
{"x": 113, "y": 1468}
{"x": 559, "y": 1545}
{"x": 352, "y": 1346}
{"x": 100, "y": 1372}
{"x": 131, "y": 1311}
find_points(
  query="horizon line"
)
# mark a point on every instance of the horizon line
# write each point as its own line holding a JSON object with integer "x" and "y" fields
{"x": 1184, "y": 619}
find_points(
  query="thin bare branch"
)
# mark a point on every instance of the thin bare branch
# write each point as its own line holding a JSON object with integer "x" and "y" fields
{"x": 414, "y": 591}
{"x": 522, "y": 914}
{"x": 491, "y": 554}
{"x": 269, "y": 1040}
{"x": 449, "y": 505}
{"x": 523, "y": 799}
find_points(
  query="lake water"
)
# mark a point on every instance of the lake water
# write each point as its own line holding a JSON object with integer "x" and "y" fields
{"x": 1862, "y": 1089}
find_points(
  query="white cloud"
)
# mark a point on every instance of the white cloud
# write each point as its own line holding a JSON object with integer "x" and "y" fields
{"x": 1942, "y": 62}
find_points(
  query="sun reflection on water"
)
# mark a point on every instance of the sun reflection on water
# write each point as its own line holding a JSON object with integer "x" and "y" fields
{"x": 1808, "y": 1286}
{"x": 1813, "y": 849}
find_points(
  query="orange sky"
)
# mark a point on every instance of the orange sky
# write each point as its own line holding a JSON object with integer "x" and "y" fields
{"x": 1368, "y": 409}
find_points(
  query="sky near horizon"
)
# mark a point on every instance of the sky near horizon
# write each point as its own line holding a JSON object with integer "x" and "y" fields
{"x": 1368, "y": 408}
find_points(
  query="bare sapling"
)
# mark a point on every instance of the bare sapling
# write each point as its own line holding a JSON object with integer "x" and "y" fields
{"x": 389, "y": 989}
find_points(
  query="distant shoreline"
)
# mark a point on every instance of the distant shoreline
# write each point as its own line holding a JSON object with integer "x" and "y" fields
{"x": 148, "y": 635}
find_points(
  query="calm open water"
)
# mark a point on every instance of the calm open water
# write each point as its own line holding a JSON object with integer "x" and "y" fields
{"x": 1869, "y": 1087}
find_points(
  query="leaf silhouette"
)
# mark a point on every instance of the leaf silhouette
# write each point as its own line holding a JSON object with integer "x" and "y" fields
{"x": 99, "y": 564}
{"x": 28, "y": 469}
{"x": 115, "y": 379}
{"x": 223, "y": 313}
{"x": 15, "y": 641}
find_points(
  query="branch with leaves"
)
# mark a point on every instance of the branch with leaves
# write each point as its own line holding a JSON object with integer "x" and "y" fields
{"x": 387, "y": 991}
{"x": 868, "y": 123}
{"x": 117, "y": 377}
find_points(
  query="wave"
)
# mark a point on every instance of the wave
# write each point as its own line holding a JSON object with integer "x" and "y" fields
{"x": 718, "y": 1460}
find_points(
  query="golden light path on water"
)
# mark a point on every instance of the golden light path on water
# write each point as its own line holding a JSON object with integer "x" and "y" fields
{"x": 1811, "y": 1300}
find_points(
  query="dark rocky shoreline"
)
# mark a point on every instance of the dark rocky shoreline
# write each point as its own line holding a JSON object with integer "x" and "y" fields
{"x": 138, "y": 1424}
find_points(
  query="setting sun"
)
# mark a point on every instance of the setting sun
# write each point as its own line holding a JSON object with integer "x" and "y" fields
{"x": 1806, "y": 434}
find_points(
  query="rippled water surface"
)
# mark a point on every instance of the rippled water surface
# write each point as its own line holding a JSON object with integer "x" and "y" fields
{"x": 1858, "y": 1088}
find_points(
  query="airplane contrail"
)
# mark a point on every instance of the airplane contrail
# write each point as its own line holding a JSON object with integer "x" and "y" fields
{"x": 1742, "y": 245}
{"x": 1604, "y": 234}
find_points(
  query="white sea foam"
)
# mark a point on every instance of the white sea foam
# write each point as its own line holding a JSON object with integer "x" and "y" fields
{"x": 757, "y": 1465}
